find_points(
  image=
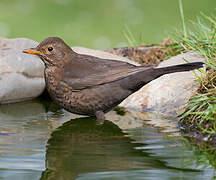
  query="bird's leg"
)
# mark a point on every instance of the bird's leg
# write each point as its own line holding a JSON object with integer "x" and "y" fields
{"x": 100, "y": 117}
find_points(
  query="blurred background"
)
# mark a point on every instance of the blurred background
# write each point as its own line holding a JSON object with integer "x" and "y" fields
{"x": 98, "y": 24}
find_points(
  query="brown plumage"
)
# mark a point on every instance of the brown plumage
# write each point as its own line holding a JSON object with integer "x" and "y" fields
{"x": 91, "y": 86}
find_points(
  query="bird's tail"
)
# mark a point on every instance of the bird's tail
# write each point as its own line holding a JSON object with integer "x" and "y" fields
{"x": 141, "y": 78}
{"x": 178, "y": 68}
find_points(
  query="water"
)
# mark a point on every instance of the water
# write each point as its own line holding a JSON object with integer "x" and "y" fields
{"x": 39, "y": 140}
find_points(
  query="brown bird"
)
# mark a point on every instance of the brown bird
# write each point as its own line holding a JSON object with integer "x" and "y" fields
{"x": 88, "y": 85}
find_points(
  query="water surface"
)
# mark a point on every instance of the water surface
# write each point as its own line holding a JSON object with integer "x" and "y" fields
{"x": 40, "y": 141}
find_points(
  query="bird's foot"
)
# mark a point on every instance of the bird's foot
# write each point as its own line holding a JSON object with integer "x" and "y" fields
{"x": 100, "y": 117}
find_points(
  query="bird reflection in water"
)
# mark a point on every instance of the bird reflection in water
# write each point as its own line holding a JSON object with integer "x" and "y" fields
{"x": 81, "y": 146}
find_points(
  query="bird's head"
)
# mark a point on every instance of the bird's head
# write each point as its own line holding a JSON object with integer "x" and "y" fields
{"x": 53, "y": 51}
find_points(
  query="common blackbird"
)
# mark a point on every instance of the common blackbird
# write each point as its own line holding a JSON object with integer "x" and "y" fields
{"x": 88, "y": 85}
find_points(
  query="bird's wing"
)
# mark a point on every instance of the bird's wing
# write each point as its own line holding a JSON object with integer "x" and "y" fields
{"x": 91, "y": 71}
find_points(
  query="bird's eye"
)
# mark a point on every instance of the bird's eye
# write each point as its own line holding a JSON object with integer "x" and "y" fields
{"x": 50, "y": 48}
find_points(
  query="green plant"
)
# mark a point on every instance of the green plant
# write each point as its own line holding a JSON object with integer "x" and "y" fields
{"x": 200, "y": 113}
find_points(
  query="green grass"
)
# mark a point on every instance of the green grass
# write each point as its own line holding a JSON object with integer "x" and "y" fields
{"x": 204, "y": 153}
{"x": 200, "y": 113}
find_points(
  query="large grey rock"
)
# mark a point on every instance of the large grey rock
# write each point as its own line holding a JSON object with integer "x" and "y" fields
{"x": 21, "y": 75}
{"x": 169, "y": 93}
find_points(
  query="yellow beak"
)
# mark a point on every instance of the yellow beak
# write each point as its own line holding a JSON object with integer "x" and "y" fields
{"x": 32, "y": 51}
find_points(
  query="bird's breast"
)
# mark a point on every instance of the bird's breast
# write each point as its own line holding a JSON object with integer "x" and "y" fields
{"x": 53, "y": 76}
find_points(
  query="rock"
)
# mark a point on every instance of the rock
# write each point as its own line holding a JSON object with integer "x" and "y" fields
{"x": 21, "y": 75}
{"x": 169, "y": 93}
{"x": 102, "y": 54}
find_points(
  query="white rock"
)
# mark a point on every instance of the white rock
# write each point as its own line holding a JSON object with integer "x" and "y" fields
{"x": 102, "y": 54}
{"x": 169, "y": 93}
{"x": 21, "y": 75}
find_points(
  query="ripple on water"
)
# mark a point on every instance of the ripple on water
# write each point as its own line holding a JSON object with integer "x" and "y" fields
{"x": 34, "y": 144}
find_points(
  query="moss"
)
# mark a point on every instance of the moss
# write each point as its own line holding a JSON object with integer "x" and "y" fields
{"x": 120, "y": 110}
